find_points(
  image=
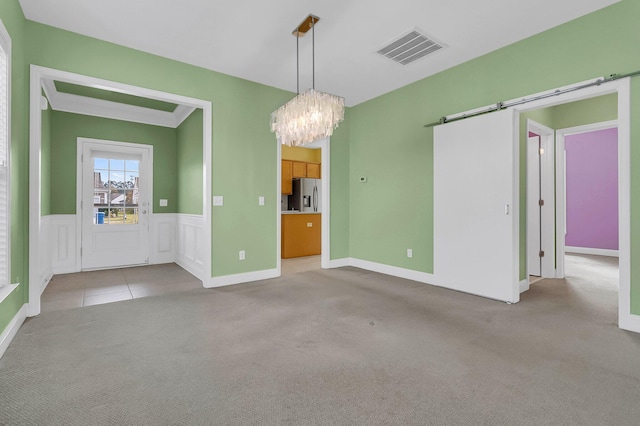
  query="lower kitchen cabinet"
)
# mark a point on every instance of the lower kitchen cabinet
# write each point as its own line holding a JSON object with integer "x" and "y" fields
{"x": 301, "y": 235}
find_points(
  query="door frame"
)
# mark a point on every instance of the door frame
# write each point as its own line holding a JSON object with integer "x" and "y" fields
{"x": 37, "y": 75}
{"x": 547, "y": 229}
{"x": 561, "y": 184}
{"x": 325, "y": 245}
{"x": 148, "y": 176}
{"x": 622, "y": 87}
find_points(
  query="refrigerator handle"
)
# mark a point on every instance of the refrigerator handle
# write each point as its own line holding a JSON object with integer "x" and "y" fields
{"x": 315, "y": 198}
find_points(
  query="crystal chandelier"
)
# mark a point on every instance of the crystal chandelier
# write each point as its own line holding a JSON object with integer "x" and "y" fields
{"x": 312, "y": 114}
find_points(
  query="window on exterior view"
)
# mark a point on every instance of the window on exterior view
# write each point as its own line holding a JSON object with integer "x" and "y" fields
{"x": 115, "y": 191}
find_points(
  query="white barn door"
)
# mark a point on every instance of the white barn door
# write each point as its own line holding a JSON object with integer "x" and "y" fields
{"x": 475, "y": 206}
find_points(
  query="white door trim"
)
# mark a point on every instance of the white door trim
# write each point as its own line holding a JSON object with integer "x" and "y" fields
{"x": 38, "y": 74}
{"x": 325, "y": 203}
{"x": 561, "y": 184}
{"x": 622, "y": 87}
{"x": 547, "y": 213}
{"x": 82, "y": 142}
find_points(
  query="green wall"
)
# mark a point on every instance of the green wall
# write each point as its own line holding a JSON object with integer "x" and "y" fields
{"x": 67, "y": 127}
{"x": 189, "y": 161}
{"x": 388, "y": 143}
{"x": 588, "y": 111}
{"x": 243, "y": 148}
{"x": 339, "y": 189}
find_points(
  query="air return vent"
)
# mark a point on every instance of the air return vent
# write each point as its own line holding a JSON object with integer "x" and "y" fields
{"x": 410, "y": 47}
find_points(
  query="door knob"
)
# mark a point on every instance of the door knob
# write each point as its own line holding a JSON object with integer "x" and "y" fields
{"x": 144, "y": 212}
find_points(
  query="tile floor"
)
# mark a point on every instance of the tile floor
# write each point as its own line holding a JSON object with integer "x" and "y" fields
{"x": 96, "y": 287}
{"x": 69, "y": 291}
{"x": 300, "y": 264}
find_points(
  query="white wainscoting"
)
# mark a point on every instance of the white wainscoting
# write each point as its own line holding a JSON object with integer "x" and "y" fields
{"x": 164, "y": 240}
{"x": 63, "y": 244}
{"x": 191, "y": 244}
{"x": 59, "y": 234}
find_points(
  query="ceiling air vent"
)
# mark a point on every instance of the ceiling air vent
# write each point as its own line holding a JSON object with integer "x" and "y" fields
{"x": 410, "y": 47}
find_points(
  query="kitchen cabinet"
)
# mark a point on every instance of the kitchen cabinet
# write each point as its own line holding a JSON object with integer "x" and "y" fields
{"x": 296, "y": 170}
{"x": 301, "y": 235}
{"x": 313, "y": 170}
{"x": 287, "y": 175}
{"x": 299, "y": 169}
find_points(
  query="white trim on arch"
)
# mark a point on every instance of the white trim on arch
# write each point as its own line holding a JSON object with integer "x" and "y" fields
{"x": 38, "y": 74}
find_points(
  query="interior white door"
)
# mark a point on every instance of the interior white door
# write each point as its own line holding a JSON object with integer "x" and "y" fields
{"x": 534, "y": 241}
{"x": 475, "y": 213}
{"x": 116, "y": 180}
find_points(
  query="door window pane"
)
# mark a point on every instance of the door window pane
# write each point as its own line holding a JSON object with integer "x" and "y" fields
{"x": 115, "y": 191}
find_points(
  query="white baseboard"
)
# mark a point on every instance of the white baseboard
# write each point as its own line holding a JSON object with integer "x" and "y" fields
{"x": 524, "y": 285}
{"x": 339, "y": 263}
{"x": 241, "y": 278}
{"x": 395, "y": 271}
{"x": 10, "y": 332}
{"x": 630, "y": 322}
{"x": 592, "y": 251}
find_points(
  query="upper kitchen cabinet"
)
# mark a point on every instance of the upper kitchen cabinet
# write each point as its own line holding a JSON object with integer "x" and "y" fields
{"x": 306, "y": 170}
{"x": 313, "y": 170}
{"x": 299, "y": 169}
{"x": 287, "y": 175}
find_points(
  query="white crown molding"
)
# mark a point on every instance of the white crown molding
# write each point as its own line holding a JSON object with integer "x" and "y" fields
{"x": 77, "y": 104}
{"x": 181, "y": 113}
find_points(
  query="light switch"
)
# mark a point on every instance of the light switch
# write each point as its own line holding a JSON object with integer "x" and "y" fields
{"x": 309, "y": 224}
{"x": 218, "y": 200}
{"x": 164, "y": 203}
{"x": 261, "y": 201}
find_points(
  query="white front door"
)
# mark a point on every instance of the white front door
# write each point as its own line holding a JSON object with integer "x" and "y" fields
{"x": 115, "y": 206}
{"x": 475, "y": 220}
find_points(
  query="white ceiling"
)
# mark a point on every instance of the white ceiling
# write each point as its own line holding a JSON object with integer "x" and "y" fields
{"x": 252, "y": 39}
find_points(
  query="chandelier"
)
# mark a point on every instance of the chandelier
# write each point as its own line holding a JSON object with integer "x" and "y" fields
{"x": 312, "y": 114}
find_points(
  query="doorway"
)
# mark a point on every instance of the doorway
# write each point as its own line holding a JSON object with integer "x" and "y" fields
{"x": 40, "y": 247}
{"x": 114, "y": 200}
{"x": 622, "y": 91}
{"x": 587, "y": 188}
{"x": 324, "y": 203}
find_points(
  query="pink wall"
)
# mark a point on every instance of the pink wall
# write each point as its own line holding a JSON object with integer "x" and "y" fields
{"x": 592, "y": 189}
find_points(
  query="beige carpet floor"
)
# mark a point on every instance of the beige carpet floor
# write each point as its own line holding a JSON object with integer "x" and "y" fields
{"x": 341, "y": 346}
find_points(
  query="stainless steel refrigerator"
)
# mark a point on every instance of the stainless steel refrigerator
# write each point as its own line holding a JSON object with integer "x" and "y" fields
{"x": 306, "y": 196}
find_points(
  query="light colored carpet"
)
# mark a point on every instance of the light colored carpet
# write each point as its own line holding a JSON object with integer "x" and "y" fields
{"x": 329, "y": 347}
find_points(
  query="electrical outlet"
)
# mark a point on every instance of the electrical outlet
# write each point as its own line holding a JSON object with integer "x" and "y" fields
{"x": 241, "y": 254}
{"x": 261, "y": 201}
{"x": 409, "y": 252}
